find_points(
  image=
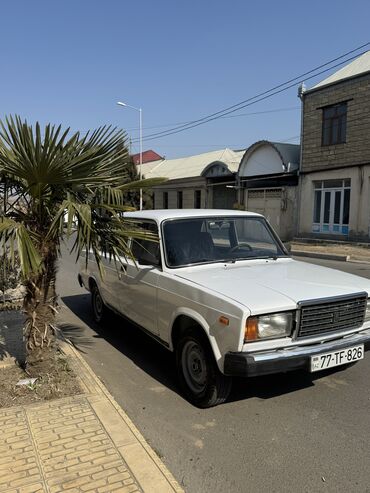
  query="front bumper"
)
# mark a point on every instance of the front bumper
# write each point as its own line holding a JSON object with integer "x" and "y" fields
{"x": 243, "y": 364}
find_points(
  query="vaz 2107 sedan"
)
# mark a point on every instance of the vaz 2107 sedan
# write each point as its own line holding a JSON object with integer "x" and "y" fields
{"x": 221, "y": 291}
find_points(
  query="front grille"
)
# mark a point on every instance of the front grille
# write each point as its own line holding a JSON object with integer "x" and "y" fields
{"x": 332, "y": 316}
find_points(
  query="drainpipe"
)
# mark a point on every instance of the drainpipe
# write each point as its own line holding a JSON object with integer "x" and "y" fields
{"x": 301, "y": 90}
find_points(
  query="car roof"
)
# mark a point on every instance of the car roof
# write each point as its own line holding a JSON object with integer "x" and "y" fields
{"x": 163, "y": 214}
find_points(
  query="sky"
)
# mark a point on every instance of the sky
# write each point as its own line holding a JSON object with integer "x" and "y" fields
{"x": 68, "y": 62}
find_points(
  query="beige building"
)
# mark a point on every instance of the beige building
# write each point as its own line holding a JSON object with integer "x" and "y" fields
{"x": 261, "y": 179}
{"x": 335, "y": 170}
{"x": 202, "y": 181}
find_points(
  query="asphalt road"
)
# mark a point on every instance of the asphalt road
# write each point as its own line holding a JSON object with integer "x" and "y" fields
{"x": 294, "y": 432}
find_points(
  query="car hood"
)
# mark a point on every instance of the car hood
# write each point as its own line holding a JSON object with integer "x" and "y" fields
{"x": 276, "y": 284}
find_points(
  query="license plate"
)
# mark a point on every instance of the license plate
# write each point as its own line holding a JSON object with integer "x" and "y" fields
{"x": 337, "y": 358}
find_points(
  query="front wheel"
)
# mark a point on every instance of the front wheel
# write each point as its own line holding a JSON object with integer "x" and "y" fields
{"x": 200, "y": 379}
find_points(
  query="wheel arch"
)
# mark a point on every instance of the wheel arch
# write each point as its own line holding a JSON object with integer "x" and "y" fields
{"x": 92, "y": 281}
{"x": 185, "y": 319}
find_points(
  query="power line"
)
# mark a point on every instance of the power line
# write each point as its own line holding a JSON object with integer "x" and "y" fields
{"x": 175, "y": 131}
{"x": 259, "y": 97}
{"x": 263, "y": 112}
{"x": 277, "y": 110}
{"x": 281, "y": 140}
{"x": 237, "y": 106}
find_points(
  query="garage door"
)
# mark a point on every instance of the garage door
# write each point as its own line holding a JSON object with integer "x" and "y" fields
{"x": 266, "y": 201}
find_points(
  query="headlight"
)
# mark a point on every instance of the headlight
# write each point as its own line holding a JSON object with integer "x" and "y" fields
{"x": 367, "y": 313}
{"x": 269, "y": 326}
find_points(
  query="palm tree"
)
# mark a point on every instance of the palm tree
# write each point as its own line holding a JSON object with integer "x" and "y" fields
{"x": 64, "y": 184}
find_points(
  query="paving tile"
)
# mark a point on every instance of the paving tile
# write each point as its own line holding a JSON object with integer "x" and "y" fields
{"x": 74, "y": 458}
{"x": 16, "y": 447}
{"x": 82, "y": 443}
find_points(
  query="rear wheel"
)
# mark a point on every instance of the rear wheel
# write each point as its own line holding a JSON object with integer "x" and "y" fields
{"x": 100, "y": 311}
{"x": 200, "y": 379}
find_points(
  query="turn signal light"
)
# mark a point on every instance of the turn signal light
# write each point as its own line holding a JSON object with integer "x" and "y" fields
{"x": 223, "y": 320}
{"x": 251, "y": 329}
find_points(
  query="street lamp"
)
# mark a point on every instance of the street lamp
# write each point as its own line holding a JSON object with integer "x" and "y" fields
{"x": 120, "y": 103}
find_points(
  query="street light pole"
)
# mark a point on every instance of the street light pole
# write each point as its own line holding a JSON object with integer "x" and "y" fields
{"x": 141, "y": 154}
{"x": 120, "y": 103}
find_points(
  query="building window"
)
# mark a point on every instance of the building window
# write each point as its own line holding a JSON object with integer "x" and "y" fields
{"x": 179, "y": 199}
{"x": 334, "y": 124}
{"x": 331, "y": 206}
{"x": 153, "y": 200}
{"x": 165, "y": 200}
{"x": 197, "y": 199}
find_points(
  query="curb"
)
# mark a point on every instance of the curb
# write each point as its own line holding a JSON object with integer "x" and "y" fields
{"x": 316, "y": 241}
{"x": 161, "y": 472}
{"x": 358, "y": 261}
{"x": 326, "y": 256}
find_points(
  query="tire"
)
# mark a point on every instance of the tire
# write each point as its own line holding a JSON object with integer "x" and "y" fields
{"x": 100, "y": 311}
{"x": 199, "y": 377}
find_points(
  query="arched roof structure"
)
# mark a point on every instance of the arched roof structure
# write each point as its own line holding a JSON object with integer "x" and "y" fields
{"x": 269, "y": 158}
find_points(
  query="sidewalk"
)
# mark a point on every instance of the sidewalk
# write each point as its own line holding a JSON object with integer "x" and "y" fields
{"x": 331, "y": 250}
{"x": 84, "y": 443}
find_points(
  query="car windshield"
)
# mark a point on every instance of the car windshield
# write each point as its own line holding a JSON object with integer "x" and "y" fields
{"x": 218, "y": 239}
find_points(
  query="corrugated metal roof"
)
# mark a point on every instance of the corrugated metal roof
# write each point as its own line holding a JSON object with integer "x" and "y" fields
{"x": 359, "y": 66}
{"x": 192, "y": 166}
{"x": 289, "y": 152}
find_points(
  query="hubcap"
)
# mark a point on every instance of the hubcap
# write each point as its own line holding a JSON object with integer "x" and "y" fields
{"x": 194, "y": 366}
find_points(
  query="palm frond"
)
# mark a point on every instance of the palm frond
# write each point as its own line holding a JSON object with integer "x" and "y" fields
{"x": 60, "y": 159}
{"x": 17, "y": 238}
{"x": 73, "y": 184}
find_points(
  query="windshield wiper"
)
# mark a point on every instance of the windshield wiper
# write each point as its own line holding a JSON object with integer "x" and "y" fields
{"x": 270, "y": 257}
{"x": 232, "y": 260}
{"x": 265, "y": 257}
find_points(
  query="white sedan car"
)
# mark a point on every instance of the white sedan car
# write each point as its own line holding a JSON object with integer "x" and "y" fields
{"x": 221, "y": 291}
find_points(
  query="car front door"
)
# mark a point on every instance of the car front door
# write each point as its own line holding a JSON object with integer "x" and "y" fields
{"x": 141, "y": 280}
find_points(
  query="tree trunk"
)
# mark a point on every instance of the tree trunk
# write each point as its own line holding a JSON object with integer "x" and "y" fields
{"x": 40, "y": 305}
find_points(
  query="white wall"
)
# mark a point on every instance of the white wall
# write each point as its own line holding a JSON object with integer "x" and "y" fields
{"x": 263, "y": 161}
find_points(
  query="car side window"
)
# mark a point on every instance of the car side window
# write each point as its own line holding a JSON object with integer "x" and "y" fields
{"x": 146, "y": 252}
